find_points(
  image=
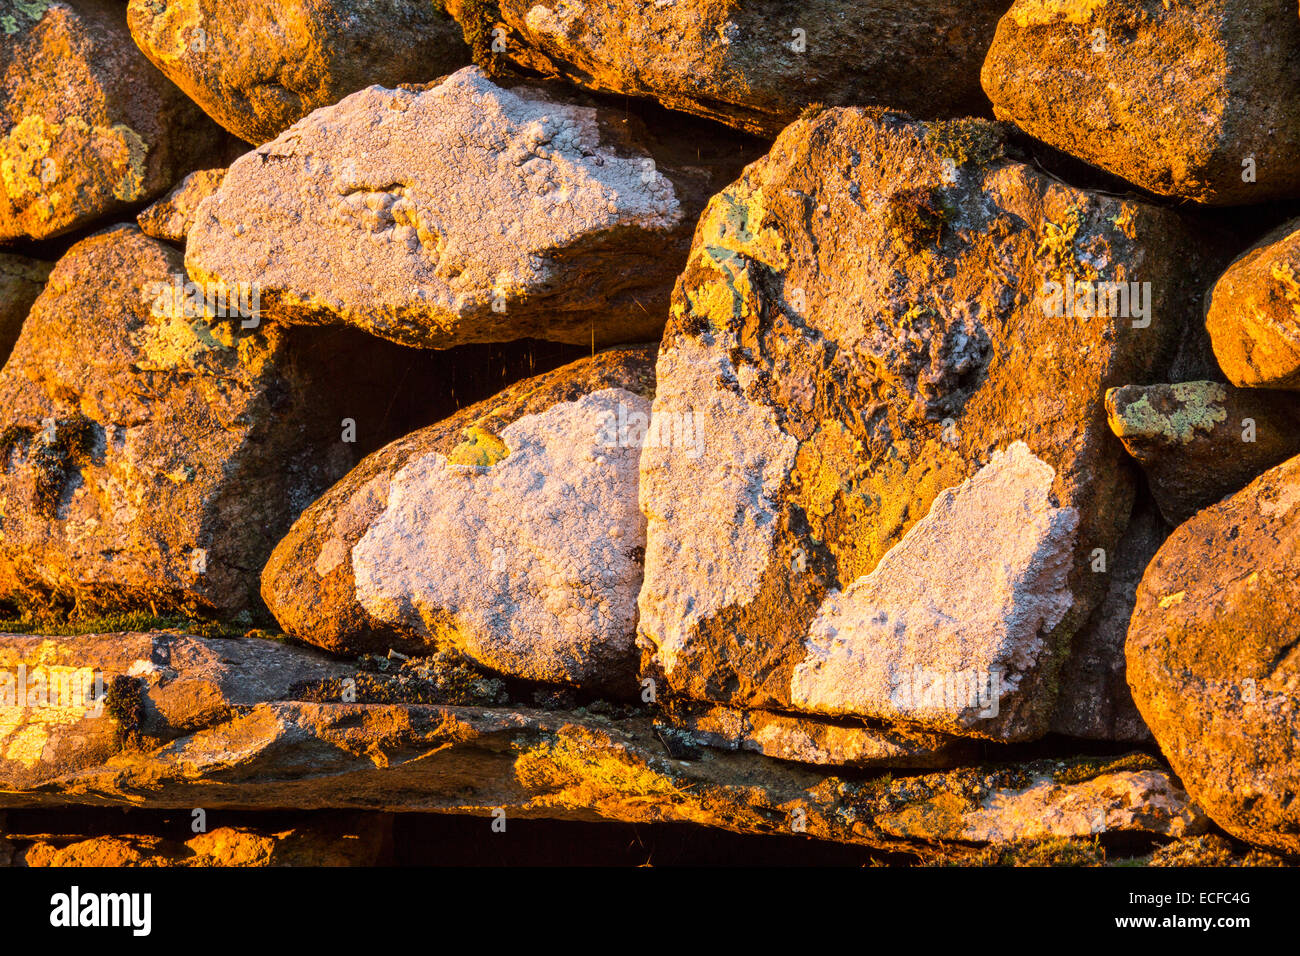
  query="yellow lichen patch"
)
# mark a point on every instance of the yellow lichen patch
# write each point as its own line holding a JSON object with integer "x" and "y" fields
{"x": 1199, "y": 407}
{"x": 53, "y": 171}
{"x": 35, "y": 699}
{"x": 1284, "y": 273}
{"x": 480, "y": 449}
{"x": 179, "y": 339}
{"x": 733, "y": 222}
{"x": 939, "y": 817}
{"x": 1041, "y": 13}
{"x": 584, "y": 769}
{"x": 1058, "y": 246}
{"x": 1170, "y": 600}
{"x": 852, "y": 504}
{"x": 173, "y": 30}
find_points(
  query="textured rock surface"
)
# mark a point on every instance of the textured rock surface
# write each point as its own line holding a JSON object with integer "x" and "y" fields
{"x": 21, "y": 281}
{"x": 1213, "y": 660}
{"x": 1142, "y": 800}
{"x": 509, "y": 532}
{"x": 289, "y": 751}
{"x": 787, "y": 737}
{"x": 970, "y": 590}
{"x": 150, "y": 455}
{"x": 257, "y": 68}
{"x": 863, "y": 324}
{"x": 463, "y": 213}
{"x": 752, "y": 65}
{"x": 1253, "y": 314}
{"x": 1200, "y": 441}
{"x": 87, "y": 125}
{"x": 1094, "y": 701}
{"x": 171, "y": 217}
{"x": 1173, "y": 95}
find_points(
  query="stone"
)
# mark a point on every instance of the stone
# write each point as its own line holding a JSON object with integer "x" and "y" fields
{"x": 462, "y": 213}
{"x": 305, "y": 747}
{"x": 21, "y": 281}
{"x": 906, "y": 465}
{"x": 752, "y": 65}
{"x": 258, "y": 69}
{"x": 1201, "y": 441}
{"x": 152, "y": 447}
{"x": 1253, "y": 314}
{"x": 509, "y": 532}
{"x": 1129, "y": 801}
{"x": 784, "y": 737}
{"x": 88, "y": 127}
{"x": 1094, "y": 701}
{"x": 1190, "y": 99}
{"x": 1213, "y": 661}
{"x": 171, "y": 217}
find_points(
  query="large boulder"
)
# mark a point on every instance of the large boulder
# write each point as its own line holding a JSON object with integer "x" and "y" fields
{"x": 1192, "y": 99}
{"x": 509, "y": 532}
{"x": 1200, "y": 441}
{"x": 907, "y": 473}
{"x": 87, "y": 126}
{"x": 751, "y": 65}
{"x": 257, "y": 68}
{"x": 21, "y": 281}
{"x": 155, "y": 443}
{"x": 1253, "y": 314}
{"x": 1213, "y": 659}
{"x": 463, "y": 213}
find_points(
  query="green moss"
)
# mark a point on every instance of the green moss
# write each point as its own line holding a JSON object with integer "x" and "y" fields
{"x": 966, "y": 141}
{"x": 69, "y": 625}
{"x": 916, "y": 217}
{"x": 478, "y": 19}
{"x": 1054, "y": 851}
{"x": 124, "y": 703}
{"x": 443, "y": 678}
{"x": 1088, "y": 768}
{"x": 59, "y": 450}
{"x": 812, "y": 111}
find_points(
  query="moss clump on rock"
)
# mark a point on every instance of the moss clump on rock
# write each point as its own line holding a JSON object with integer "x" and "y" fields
{"x": 124, "y": 703}
{"x": 916, "y": 217}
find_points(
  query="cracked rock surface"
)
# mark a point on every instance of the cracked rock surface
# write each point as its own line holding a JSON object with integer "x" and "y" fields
{"x": 465, "y": 212}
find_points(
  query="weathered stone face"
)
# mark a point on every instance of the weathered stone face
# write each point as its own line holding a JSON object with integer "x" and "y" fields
{"x": 1193, "y": 99}
{"x": 21, "y": 281}
{"x": 509, "y": 532}
{"x": 463, "y": 213}
{"x": 752, "y": 65}
{"x": 258, "y": 68}
{"x": 153, "y": 452}
{"x": 171, "y": 217}
{"x": 1253, "y": 313}
{"x": 869, "y": 330}
{"x": 1212, "y": 658}
{"x": 1201, "y": 441}
{"x": 87, "y": 126}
